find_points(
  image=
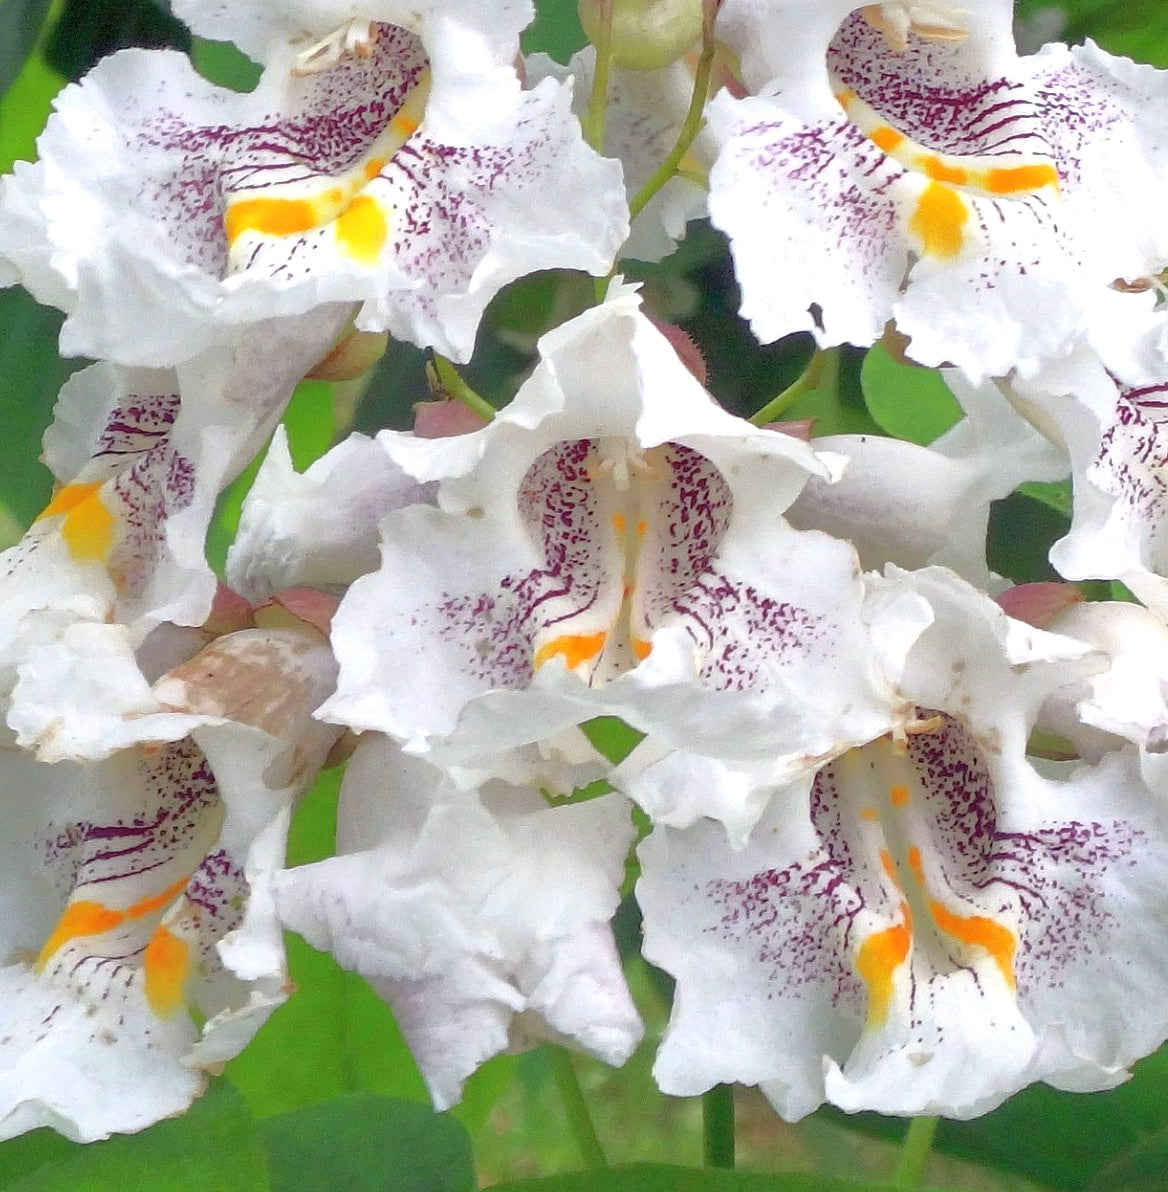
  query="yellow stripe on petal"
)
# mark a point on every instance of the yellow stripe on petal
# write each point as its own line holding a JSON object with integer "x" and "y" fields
{"x": 1012, "y": 180}
{"x": 88, "y": 527}
{"x": 880, "y": 955}
{"x": 999, "y": 943}
{"x": 78, "y": 920}
{"x": 270, "y": 217}
{"x": 939, "y": 220}
{"x": 363, "y": 229}
{"x": 166, "y": 964}
{"x": 575, "y": 649}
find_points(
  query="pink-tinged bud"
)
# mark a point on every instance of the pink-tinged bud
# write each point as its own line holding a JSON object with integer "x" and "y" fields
{"x": 646, "y": 34}
{"x": 352, "y": 356}
{"x": 688, "y": 352}
{"x": 797, "y": 428}
{"x": 230, "y": 612}
{"x": 294, "y": 608}
{"x": 442, "y": 419}
{"x": 1038, "y": 604}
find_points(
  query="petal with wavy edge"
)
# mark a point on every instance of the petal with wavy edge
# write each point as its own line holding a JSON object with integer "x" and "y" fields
{"x": 316, "y": 528}
{"x": 136, "y": 889}
{"x": 611, "y": 543}
{"x": 958, "y": 191}
{"x": 480, "y": 916}
{"x": 384, "y": 180}
{"x": 937, "y": 925}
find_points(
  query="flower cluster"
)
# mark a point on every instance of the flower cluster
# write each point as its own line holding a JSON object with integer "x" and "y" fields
{"x": 900, "y": 828}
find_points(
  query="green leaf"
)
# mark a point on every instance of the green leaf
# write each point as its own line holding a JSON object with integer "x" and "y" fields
{"x": 34, "y": 374}
{"x": 1021, "y": 533}
{"x": 907, "y": 401}
{"x": 1063, "y": 1141}
{"x": 24, "y": 110}
{"x": 20, "y": 26}
{"x": 363, "y": 1143}
{"x": 90, "y": 29}
{"x": 663, "y": 1177}
{"x": 556, "y": 30}
{"x": 212, "y": 1148}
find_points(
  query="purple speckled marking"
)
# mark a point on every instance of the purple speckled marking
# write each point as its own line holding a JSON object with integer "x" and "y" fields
{"x": 140, "y": 854}
{"x": 797, "y": 923}
{"x": 1129, "y": 465}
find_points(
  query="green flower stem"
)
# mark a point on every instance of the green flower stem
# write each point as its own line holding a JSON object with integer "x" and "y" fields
{"x": 575, "y": 1107}
{"x": 593, "y": 122}
{"x": 822, "y": 372}
{"x": 690, "y": 127}
{"x": 918, "y": 1143}
{"x": 718, "y": 1126}
{"x": 451, "y": 383}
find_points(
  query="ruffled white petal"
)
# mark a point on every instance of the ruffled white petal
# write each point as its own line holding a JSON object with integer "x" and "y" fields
{"x": 480, "y": 916}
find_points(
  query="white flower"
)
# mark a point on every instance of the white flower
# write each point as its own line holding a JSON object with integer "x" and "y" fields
{"x": 612, "y": 543}
{"x": 140, "y": 457}
{"x": 481, "y": 916}
{"x": 937, "y": 925}
{"x": 985, "y": 202}
{"x": 136, "y": 889}
{"x": 415, "y": 177}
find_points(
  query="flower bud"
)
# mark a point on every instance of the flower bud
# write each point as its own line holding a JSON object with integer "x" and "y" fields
{"x": 646, "y": 34}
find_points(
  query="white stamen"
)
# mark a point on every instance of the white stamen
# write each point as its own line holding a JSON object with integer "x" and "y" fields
{"x": 354, "y": 39}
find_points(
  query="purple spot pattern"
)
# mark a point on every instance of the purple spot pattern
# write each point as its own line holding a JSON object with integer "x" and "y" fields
{"x": 443, "y": 194}
{"x": 797, "y": 923}
{"x": 138, "y": 855}
{"x": 936, "y": 94}
{"x": 494, "y": 632}
{"x": 1130, "y": 463}
{"x": 739, "y": 631}
{"x": 150, "y": 481}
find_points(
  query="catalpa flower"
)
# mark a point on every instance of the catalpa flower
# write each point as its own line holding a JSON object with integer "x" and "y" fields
{"x": 408, "y": 172}
{"x": 139, "y": 944}
{"x": 611, "y": 543}
{"x": 1117, "y": 438}
{"x": 480, "y": 915}
{"x": 912, "y": 505}
{"x": 140, "y": 457}
{"x": 928, "y": 923}
{"x": 986, "y": 203}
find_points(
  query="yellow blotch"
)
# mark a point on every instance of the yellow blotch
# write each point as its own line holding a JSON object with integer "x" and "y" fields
{"x": 998, "y": 942}
{"x": 938, "y": 220}
{"x": 575, "y": 649}
{"x": 941, "y": 171}
{"x": 166, "y": 964}
{"x": 272, "y": 217}
{"x": 846, "y": 98}
{"x": 88, "y": 527}
{"x": 899, "y": 796}
{"x": 85, "y": 917}
{"x": 404, "y": 126}
{"x": 642, "y": 526}
{"x": 880, "y": 955}
{"x": 889, "y": 866}
{"x": 1009, "y": 180}
{"x": 373, "y": 167}
{"x": 886, "y": 138}
{"x": 80, "y": 919}
{"x": 869, "y": 813}
{"x": 642, "y": 648}
{"x": 362, "y": 230}
{"x": 914, "y": 863}
{"x": 618, "y": 523}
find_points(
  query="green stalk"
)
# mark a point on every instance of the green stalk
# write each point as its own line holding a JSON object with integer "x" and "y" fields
{"x": 690, "y": 127}
{"x": 451, "y": 383}
{"x": 593, "y": 122}
{"x": 822, "y": 371}
{"x": 718, "y": 1126}
{"x": 576, "y": 1108}
{"x": 914, "y": 1154}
